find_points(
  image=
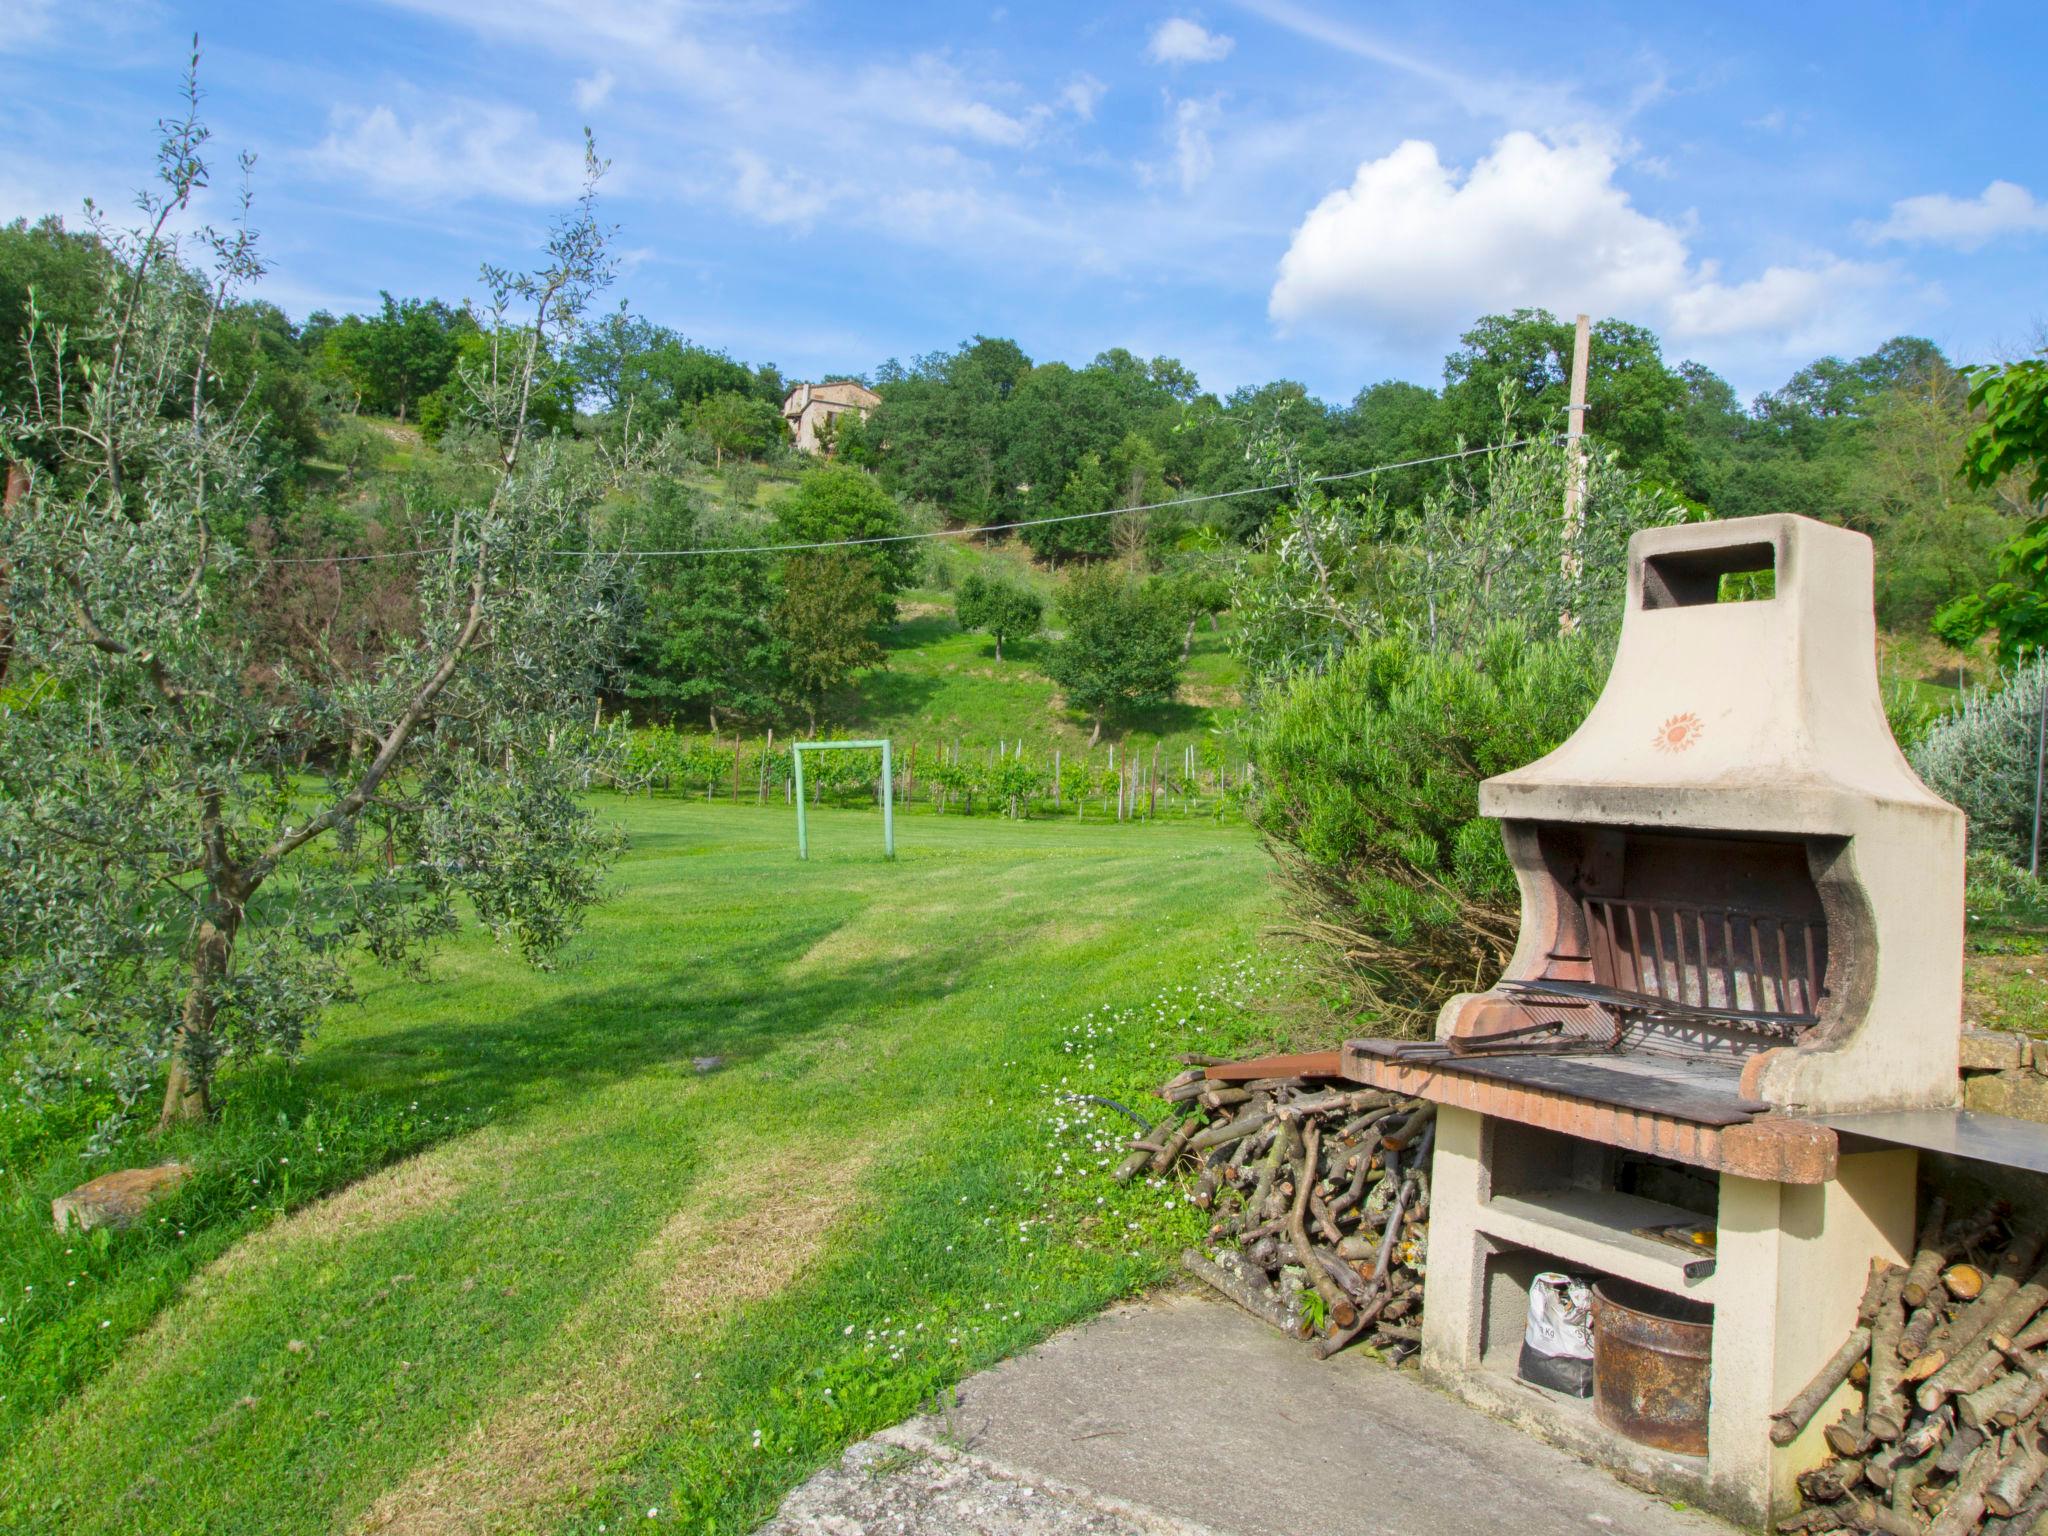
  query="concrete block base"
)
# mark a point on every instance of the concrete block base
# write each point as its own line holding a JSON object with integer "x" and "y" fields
{"x": 1790, "y": 1264}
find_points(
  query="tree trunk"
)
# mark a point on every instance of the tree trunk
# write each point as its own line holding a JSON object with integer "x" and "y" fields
{"x": 999, "y": 646}
{"x": 1187, "y": 641}
{"x": 1095, "y": 735}
{"x": 188, "y": 1093}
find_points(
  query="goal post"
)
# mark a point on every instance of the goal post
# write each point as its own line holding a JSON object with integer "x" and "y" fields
{"x": 803, "y": 835}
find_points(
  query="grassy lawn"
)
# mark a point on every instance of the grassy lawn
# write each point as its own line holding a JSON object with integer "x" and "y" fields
{"x": 777, "y": 1154}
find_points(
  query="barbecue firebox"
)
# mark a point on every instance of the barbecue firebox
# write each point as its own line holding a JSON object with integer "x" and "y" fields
{"x": 1741, "y": 911}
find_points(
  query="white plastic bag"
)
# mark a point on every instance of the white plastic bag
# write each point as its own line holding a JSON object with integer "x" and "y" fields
{"x": 1560, "y": 1317}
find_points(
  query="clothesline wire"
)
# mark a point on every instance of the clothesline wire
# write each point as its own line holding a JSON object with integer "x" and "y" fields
{"x": 934, "y": 533}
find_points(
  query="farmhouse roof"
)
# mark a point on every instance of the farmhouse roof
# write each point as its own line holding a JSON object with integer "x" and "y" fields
{"x": 843, "y": 392}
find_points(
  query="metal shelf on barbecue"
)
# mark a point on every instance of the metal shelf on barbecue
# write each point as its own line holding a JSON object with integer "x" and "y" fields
{"x": 1596, "y": 1228}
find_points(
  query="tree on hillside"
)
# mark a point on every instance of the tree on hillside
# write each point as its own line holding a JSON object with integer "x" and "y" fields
{"x": 1121, "y": 648}
{"x": 837, "y": 501}
{"x": 254, "y": 350}
{"x": 2010, "y": 445}
{"x": 938, "y": 433}
{"x": 1199, "y": 592}
{"x": 737, "y": 425}
{"x": 825, "y": 622}
{"x": 996, "y": 608}
{"x": 1635, "y": 403}
{"x": 200, "y": 840}
{"x": 393, "y": 358}
{"x": 550, "y": 408}
{"x": 1069, "y": 526}
{"x": 703, "y": 640}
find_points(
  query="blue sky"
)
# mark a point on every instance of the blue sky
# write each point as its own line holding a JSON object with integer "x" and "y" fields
{"x": 1273, "y": 188}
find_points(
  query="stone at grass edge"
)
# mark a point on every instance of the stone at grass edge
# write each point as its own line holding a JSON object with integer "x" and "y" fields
{"x": 117, "y": 1199}
{"x": 2022, "y": 1095}
{"x": 1993, "y": 1050}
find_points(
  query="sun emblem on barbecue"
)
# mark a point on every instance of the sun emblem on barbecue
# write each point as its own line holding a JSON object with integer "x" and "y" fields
{"x": 1679, "y": 732}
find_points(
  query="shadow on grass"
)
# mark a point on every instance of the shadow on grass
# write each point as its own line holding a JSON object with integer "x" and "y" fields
{"x": 591, "y": 1037}
{"x": 885, "y": 694}
{"x": 1163, "y": 719}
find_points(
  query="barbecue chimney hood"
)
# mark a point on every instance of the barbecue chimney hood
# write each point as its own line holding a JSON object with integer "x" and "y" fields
{"x": 1736, "y": 741}
{"x": 1757, "y": 716}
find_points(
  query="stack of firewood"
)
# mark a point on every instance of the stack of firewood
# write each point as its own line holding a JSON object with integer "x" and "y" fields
{"x": 1320, "y": 1200}
{"x": 1949, "y": 1437}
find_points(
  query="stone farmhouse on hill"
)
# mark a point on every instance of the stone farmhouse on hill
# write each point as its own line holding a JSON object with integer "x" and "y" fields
{"x": 809, "y": 407}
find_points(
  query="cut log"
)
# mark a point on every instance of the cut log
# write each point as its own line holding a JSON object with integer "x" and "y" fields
{"x": 1965, "y": 1282}
{"x": 1962, "y": 1445}
{"x": 1830, "y": 1480}
{"x": 1410, "y": 1127}
{"x": 1981, "y": 1408}
{"x": 1261, "y": 1301}
{"x": 1869, "y": 1515}
{"x": 1789, "y": 1420}
{"x": 1341, "y": 1310}
{"x": 1231, "y": 1130}
{"x": 1875, "y": 1286}
{"x": 1975, "y": 1325}
{"x": 2016, "y": 1478}
{"x": 1919, "y": 1329}
{"x": 1965, "y": 1506}
{"x": 1848, "y": 1436}
{"x": 1928, "y": 1256}
{"x": 1885, "y": 1404}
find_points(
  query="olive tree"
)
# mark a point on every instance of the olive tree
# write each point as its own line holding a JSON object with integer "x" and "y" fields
{"x": 202, "y": 838}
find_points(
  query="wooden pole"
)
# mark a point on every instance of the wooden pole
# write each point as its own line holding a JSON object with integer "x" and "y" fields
{"x": 1575, "y": 474}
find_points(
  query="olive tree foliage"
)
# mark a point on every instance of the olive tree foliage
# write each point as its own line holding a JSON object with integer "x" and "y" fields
{"x": 1488, "y": 546}
{"x": 1983, "y": 757}
{"x": 199, "y": 837}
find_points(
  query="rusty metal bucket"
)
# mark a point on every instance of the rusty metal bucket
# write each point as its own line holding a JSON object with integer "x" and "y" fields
{"x": 1650, "y": 1360}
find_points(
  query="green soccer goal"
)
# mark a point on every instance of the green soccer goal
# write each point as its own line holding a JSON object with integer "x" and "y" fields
{"x": 803, "y": 835}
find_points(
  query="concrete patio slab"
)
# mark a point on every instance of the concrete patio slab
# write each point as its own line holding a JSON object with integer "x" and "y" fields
{"x": 1180, "y": 1416}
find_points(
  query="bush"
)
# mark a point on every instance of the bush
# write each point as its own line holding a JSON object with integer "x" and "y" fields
{"x": 1999, "y": 891}
{"x": 1983, "y": 756}
{"x": 1368, "y": 797}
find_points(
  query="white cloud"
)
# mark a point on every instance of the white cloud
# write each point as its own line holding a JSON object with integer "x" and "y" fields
{"x": 1181, "y": 41}
{"x": 776, "y": 197}
{"x": 1546, "y": 104}
{"x": 1193, "y": 156}
{"x": 593, "y": 90}
{"x": 471, "y": 149}
{"x": 1963, "y": 223}
{"x": 1082, "y": 95}
{"x": 1786, "y": 299}
{"x": 1413, "y": 248}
